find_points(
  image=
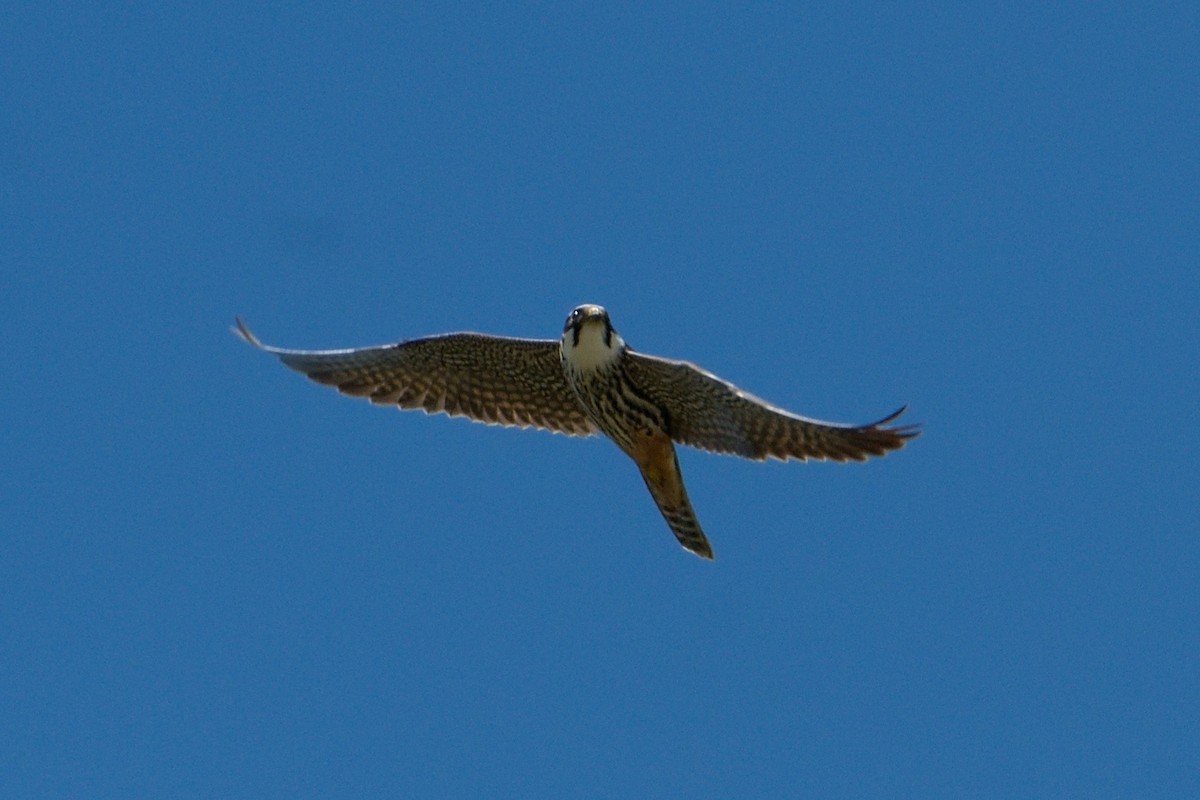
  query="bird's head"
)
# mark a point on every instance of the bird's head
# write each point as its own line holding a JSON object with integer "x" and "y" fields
{"x": 588, "y": 338}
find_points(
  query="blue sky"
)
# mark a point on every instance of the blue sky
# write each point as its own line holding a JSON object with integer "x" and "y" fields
{"x": 219, "y": 580}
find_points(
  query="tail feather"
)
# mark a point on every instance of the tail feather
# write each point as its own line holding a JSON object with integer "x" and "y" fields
{"x": 665, "y": 483}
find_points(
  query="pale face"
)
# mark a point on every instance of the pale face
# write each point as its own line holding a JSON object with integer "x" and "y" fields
{"x": 589, "y": 340}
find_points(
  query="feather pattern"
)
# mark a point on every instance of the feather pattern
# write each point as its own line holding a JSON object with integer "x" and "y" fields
{"x": 491, "y": 379}
{"x": 708, "y": 413}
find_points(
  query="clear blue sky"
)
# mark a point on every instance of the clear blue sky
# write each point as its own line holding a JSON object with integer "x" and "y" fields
{"x": 219, "y": 580}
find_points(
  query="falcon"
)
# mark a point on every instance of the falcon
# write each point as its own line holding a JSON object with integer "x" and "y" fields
{"x": 588, "y": 382}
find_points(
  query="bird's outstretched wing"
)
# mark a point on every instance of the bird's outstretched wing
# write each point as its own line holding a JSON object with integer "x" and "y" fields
{"x": 708, "y": 413}
{"x": 491, "y": 379}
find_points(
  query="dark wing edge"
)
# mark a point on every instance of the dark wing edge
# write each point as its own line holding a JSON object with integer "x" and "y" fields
{"x": 489, "y": 379}
{"x": 712, "y": 414}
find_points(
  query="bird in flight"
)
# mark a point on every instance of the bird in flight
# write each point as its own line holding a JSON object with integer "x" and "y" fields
{"x": 590, "y": 382}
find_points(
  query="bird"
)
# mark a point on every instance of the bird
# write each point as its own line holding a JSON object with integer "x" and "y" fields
{"x": 591, "y": 382}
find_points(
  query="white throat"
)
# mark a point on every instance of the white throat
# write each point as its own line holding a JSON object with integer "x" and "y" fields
{"x": 592, "y": 352}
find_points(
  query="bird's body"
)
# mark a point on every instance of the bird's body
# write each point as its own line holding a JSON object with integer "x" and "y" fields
{"x": 596, "y": 362}
{"x": 587, "y": 382}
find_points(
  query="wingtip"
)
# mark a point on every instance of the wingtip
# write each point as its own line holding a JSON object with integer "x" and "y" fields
{"x": 242, "y": 332}
{"x": 907, "y": 431}
{"x": 889, "y": 417}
